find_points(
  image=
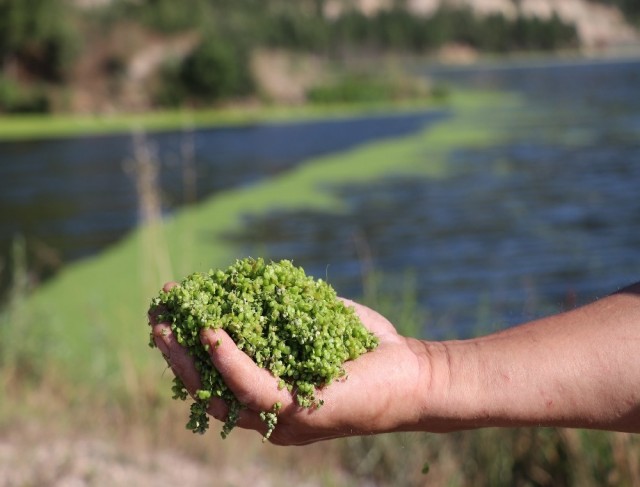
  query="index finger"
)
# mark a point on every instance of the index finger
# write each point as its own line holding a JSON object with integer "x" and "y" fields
{"x": 252, "y": 385}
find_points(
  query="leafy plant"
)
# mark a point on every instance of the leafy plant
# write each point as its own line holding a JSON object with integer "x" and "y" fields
{"x": 38, "y": 36}
{"x": 215, "y": 69}
{"x": 287, "y": 322}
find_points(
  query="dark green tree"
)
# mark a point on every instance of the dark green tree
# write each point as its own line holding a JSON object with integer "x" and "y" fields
{"x": 216, "y": 69}
{"x": 38, "y": 36}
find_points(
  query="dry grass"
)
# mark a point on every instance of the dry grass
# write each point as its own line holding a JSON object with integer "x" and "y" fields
{"x": 54, "y": 433}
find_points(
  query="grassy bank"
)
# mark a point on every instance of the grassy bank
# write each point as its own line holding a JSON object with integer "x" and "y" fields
{"x": 24, "y": 127}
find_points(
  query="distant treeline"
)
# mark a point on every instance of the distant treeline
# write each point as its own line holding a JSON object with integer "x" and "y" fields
{"x": 299, "y": 25}
{"x": 398, "y": 29}
{"x": 41, "y": 40}
{"x": 630, "y": 8}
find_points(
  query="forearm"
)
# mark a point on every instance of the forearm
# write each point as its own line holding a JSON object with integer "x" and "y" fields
{"x": 579, "y": 369}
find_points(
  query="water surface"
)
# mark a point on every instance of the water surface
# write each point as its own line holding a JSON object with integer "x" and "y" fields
{"x": 544, "y": 221}
{"x": 71, "y": 197}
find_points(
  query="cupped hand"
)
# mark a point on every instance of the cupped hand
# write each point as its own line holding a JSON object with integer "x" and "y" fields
{"x": 381, "y": 391}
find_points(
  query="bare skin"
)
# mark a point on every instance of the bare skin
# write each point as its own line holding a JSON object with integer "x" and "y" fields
{"x": 580, "y": 368}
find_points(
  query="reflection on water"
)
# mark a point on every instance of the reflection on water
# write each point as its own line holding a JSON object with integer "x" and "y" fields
{"x": 546, "y": 220}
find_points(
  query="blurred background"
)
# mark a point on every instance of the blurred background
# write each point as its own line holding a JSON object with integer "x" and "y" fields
{"x": 461, "y": 166}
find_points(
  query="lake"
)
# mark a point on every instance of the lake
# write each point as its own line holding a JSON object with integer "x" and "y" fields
{"x": 547, "y": 219}
{"x": 71, "y": 197}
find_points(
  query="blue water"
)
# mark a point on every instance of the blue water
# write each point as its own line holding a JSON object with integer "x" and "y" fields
{"x": 547, "y": 220}
{"x": 70, "y": 198}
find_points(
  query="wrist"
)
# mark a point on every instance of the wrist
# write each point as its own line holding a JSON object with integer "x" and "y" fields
{"x": 450, "y": 394}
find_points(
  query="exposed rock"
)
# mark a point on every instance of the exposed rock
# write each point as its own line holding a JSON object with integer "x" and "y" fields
{"x": 285, "y": 77}
{"x": 457, "y": 54}
{"x": 120, "y": 68}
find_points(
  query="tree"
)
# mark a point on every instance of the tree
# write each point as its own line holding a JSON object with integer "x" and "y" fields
{"x": 37, "y": 36}
{"x": 215, "y": 70}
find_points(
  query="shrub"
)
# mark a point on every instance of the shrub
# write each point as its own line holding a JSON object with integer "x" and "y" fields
{"x": 15, "y": 98}
{"x": 170, "y": 91}
{"x": 350, "y": 89}
{"x": 215, "y": 69}
{"x": 38, "y": 35}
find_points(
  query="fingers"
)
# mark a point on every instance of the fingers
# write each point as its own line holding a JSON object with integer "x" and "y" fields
{"x": 253, "y": 386}
{"x": 183, "y": 366}
{"x": 176, "y": 356}
{"x": 247, "y": 418}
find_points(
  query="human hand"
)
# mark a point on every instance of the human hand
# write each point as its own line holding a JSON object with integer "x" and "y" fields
{"x": 577, "y": 369}
{"x": 380, "y": 391}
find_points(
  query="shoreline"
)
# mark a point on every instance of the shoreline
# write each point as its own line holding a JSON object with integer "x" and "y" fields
{"x": 532, "y": 59}
{"x": 16, "y": 128}
{"x": 23, "y": 127}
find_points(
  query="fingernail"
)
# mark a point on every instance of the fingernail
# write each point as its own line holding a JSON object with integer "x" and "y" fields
{"x": 160, "y": 336}
{"x": 209, "y": 337}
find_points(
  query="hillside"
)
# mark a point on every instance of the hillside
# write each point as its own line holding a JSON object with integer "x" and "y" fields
{"x": 123, "y": 56}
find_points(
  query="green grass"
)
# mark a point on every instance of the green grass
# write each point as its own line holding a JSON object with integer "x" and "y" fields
{"x": 25, "y": 127}
{"x": 21, "y": 127}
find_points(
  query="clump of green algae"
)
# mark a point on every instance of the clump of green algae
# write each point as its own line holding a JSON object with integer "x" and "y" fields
{"x": 286, "y": 321}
